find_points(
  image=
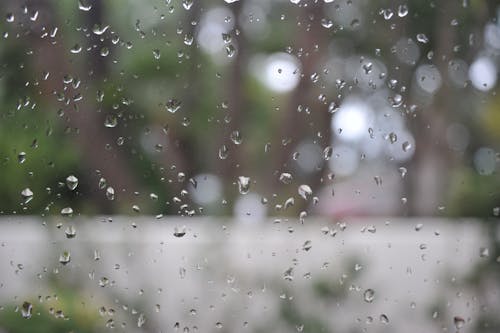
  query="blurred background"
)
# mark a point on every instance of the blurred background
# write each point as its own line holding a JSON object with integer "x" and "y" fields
{"x": 296, "y": 119}
{"x": 159, "y": 107}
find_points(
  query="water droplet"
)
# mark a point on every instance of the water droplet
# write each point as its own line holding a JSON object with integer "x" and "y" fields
{"x": 26, "y": 310}
{"x": 65, "y": 258}
{"x": 231, "y": 1}
{"x": 369, "y": 295}
{"x": 103, "y": 282}
{"x": 484, "y": 252}
{"x": 136, "y": 208}
{"x": 71, "y": 182}
{"x": 70, "y": 232}
{"x": 157, "y": 54}
{"x": 326, "y": 23}
{"x": 230, "y": 50}
{"x": 223, "y": 152}
{"x": 99, "y": 30}
{"x": 110, "y": 193}
{"x": 305, "y": 191}
{"x": 26, "y": 195}
{"x": 10, "y": 17}
{"x": 110, "y": 121}
{"x": 104, "y": 52}
{"x": 21, "y": 157}
{"x": 67, "y": 211}
{"x": 288, "y": 274}
{"x": 141, "y": 320}
{"x": 459, "y": 322}
{"x": 402, "y": 10}
{"x": 393, "y": 137}
{"x": 384, "y": 319}
{"x": 82, "y": 5}
{"x": 406, "y": 146}
{"x": 286, "y": 178}
{"x": 180, "y": 232}
{"x": 236, "y": 137}
{"x": 243, "y": 184}
{"x": 76, "y": 49}
{"x": 187, "y": 4}
{"x": 173, "y": 105}
{"x": 307, "y": 245}
{"x": 327, "y": 153}
{"x": 403, "y": 171}
{"x": 422, "y": 38}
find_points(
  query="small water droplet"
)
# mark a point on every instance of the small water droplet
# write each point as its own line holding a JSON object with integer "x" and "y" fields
{"x": 327, "y": 153}
{"x": 236, "y": 137}
{"x": 459, "y": 322}
{"x": 26, "y": 195}
{"x": 305, "y": 191}
{"x": 82, "y": 5}
{"x": 21, "y": 157}
{"x": 422, "y": 38}
{"x": 67, "y": 211}
{"x": 141, "y": 320}
{"x": 65, "y": 258}
{"x": 369, "y": 295}
{"x": 173, "y": 105}
{"x": 26, "y": 310}
{"x": 110, "y": 121}
{"x": 156, "y": 54}
{"x": 71, "y": 182}
{"x": 286, "y": 178}
{"x": 76, "y": 49}
{"x": 307, "y": 245}
{"x": 243, "y": 184}
{"x": 70, "y": 232}
{"x": 402, "y": 10}
{"x": 406, "y": 146}
{"x": 99, "y": 30}
{"x": 110, "y": 193}
{"x": 384, "y": 319}
{"x": 180, "y": 232}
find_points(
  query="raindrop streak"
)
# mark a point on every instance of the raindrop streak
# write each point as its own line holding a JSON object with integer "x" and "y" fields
{"x": 243, "y": 184}
{"x": 369, "y": 295}
{"x": 71, "y": 182}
